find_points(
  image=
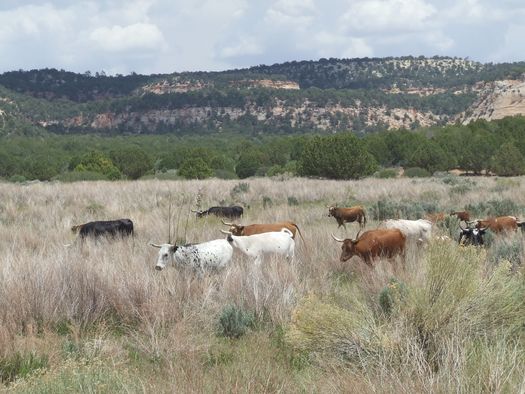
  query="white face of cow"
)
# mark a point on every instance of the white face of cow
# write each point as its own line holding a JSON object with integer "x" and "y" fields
{"x": 166, "y": 252}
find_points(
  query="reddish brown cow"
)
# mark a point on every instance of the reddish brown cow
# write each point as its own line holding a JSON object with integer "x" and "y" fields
{"x": 373, "y": 244}
{"x": 348, "y": 215}
{"x": 499, "y": 224}
{"x": 238, "y": 230}
{"x": 462, "y": 215}
{"x": 435, "y": 217}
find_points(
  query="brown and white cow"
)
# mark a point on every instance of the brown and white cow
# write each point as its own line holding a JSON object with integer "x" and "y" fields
{"x": 348, "y": 215}
{"x": 499, "y": 224}
{"x": 373, "y": 244}
{"x": 259, "y": 228}
{"x": 462, "y": 215}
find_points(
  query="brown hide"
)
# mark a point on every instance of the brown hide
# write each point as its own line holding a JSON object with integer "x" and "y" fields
{"x": 435, "y": 217}
{"x": 462, "y": 215}
{"x": 348, "y": 215}
{"x": 237, "y": 229}
{"x": 499, "y": 224}
{"x": 373, "y": 244}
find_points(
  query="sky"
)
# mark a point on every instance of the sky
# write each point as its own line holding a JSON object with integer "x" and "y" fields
{"x": 165, "y": 36}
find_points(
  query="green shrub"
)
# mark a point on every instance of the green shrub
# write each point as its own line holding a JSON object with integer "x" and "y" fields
{"x": 234, "y": 321}
{"x": 20, "y": 365}
{"x": 387, "y": 209}
{"x": 509, "y": 248}
{"x": 267, "y": 202}
{"x": 501, "y": 207}
{"x": 293, "y": 201}
{"x": 386, "y": 173}
{"x": 77, "y": 176}
{"x": 195, "y": 168}
{"x": 392, "y": 294}
{"x": 416, "y": 172}
{"x": 17, "y": 178}
{"x": 460, "y": 189}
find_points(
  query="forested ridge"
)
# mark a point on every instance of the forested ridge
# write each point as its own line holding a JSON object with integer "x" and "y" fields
{"x": 323, "y": 96}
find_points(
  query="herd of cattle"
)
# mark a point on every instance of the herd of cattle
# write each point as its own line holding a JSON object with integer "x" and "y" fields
{"x": 256, "y": 240}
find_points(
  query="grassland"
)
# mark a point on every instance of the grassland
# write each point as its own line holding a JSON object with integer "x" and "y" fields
{"x": 98, "y": 318}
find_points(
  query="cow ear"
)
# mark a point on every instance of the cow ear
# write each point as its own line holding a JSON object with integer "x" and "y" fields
{"x": 173, "y": 248}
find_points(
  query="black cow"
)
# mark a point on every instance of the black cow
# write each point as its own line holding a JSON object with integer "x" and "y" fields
{"x": 472, "y": 235}
{"x": 233, "y": 212}
{"x": 122, "y": 227}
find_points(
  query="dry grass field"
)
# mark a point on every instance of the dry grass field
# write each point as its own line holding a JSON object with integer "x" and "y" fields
{"x": 97, "y": 317}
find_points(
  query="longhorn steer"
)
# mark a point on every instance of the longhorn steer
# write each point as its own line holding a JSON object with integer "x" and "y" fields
{"x": 233, "y": 212}
{"x": 122, "y": 227}
{"x": 257, "y": 245}
{"x": 373, "y": 244}
{"x": 348, "y": 215}
{"x": 214, "y": 254}
{"x": 417, "y": 230}
{"x": 472, "y": 235}
{"x": 499, "y": 224}
{"x": 251, "y": 229}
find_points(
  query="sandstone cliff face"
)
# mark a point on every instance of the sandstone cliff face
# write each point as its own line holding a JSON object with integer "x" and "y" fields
{"x": 306, "y": 116}
{"x": 497, "y": 100}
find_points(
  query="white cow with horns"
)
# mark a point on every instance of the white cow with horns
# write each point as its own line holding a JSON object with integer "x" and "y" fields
{"x": 257, "y": 245}
{"x": 214, "y": 254}
{"x": 416, "y": 230}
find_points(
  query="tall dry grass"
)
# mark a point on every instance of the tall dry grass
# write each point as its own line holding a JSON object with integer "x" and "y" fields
{"x": 96, "y": 308}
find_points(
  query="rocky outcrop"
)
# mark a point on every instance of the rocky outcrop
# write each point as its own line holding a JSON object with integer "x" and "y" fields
{"x": 497, "y": 100}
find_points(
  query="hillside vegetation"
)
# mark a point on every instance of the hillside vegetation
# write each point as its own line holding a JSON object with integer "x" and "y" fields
{"x": 295, "y": 97}
{"x": 97, "y": 317}
{"x": 482, "y": 147}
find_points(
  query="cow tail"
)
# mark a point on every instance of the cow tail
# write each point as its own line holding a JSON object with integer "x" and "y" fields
{"x": 301, "y": 235}
{"x": 364, "y": 218}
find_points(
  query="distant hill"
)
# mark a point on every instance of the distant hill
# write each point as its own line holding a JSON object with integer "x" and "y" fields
{"x": 327, "y": 95}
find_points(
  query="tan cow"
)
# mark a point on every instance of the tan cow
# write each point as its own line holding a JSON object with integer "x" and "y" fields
{"x": 499, "y": 224}
{"x": 348, "y": 215}
{"x": 373, "y": 244}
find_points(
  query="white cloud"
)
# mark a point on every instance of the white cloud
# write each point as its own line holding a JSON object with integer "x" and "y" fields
{"x": 246, "y": 46}
{"x": 338, "y": 45}
{"x": 138, "y": 36}
{"x": 293, "y": 14}
{"x": 377, "y": 16}
{"x": 150, "y": 36}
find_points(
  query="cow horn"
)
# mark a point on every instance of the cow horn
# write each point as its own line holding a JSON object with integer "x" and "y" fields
{"x": 357, "y": 236}
{"x": 225, "y": 232}
{"x": 192, "y": 210}
{"x": 226, "y": 223}
{"x": 337, "y": 239}
{"x": 155, "y": 245}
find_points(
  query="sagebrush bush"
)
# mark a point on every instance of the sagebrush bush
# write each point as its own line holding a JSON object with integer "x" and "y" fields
{"x": 234, "y": 321}
{"x": 393, "y": 293}
{"x": 416, "y": 172}
{"x": 387, "y": 209}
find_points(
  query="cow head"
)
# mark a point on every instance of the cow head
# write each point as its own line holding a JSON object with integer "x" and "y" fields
{"x": 166, "y": 252}
{"x": 331, "y": 210}
{"x": 199, "y": 214}
{"x": 229, "y": 238}
{"x": 348, "y": 247}
{"x": 235, "y": 229}
{"x": 472, "y": 235}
